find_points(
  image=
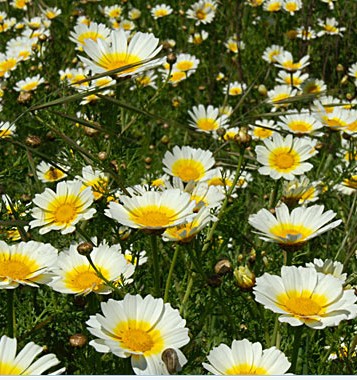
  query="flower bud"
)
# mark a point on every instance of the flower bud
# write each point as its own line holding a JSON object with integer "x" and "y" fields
{"x": 223, "y": 267}
{"x": 245, "y": 278}
{"x": 171, "y": 59}
{"x": 33, "y": 141}
{"x": 262, "y": 90}
{"x": 78, "y": 340}
{"x": 85, "y": 248}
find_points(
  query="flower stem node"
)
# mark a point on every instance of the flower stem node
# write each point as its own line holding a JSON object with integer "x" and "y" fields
{"x": 85, "y": 248}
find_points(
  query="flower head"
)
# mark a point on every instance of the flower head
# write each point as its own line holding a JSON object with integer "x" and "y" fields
{"x": 246, "y": 358}
{"x": 284, "y": 157}
{"x": 24, "y": 362}
{"x": 63, "y": 209}
{"x": 161, "y": 10}
{"x": 207, "y": 119}
{"x": 48, "y": 173}
{"x": 26, "y": 263}
{"x": 302, "y": 224}
{"x": 117, "y": 52}
{"x": 141, "y": 328}
{"x": 303, "y": 296}
{"x": 152, "y": 210}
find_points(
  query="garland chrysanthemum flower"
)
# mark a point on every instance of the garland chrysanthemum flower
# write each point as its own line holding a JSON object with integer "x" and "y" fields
{"x": 285, "y": 61}
{"x": 29, "y": 84}
{"x": 63, "y": 209}
{"x": 82, "y": 33}
{"x": 24, "y": 362}
{"x": 161, "y": 10}
{"x": 77, "y": 276}
{"x": 284, "y": 157}
{"x": 300, "y": 122}
{"x": 117, "y": 52}
{"x": 189, "y": 164}
{"x": 330, "y": 27}
{"x": 262, "y": 129}
{"x": 246, "y": 358}
{"x": 234, "y": 88}
{"x": 207, "y": 119}
{"x": 271, "y": 52}
{"x": 335, "y": 268}
{"x": 6, "y": 130}
{"x": 272, "y": 5}
{"x": 152, "y": 210}
{"x": 304, "y": 296}
{"x": 304, "y": 223}
{"x": 95, "y": 179}
{"x": 26, "y": 263}
{"x": 292, "y": 6}
{"x": 296, "y": 78}
{"x": 202, "y": 11}
{"x": 48, "y": 173}
{"x": 140, "y": 328}
{"x": 280, "y": 93}
{"x": 352, "y": 72}
{"x": 301, "y": 191}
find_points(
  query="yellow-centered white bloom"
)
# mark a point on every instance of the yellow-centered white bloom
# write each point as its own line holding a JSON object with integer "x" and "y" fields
{"x": 202, "y": 11}
{"x": 285, "y": 61}
{"x": 338, "y": 119}
{"x": 189, "y": 164}
{"x": 246, "y": 358}
{"x": 141, "y": 329}
{"x": 63, "y": 209}
{"x": 304, "y": 296}
{"x": 75, "y": 275}
{"x": 297, "y": 227}
{"x": 6, "y": 129}
{"x": 113, "y": 11}
{"x": 271, "y": 52}
{"x": 280, "y": 93}
{"x": 305, "y": 34}
{"x": 352, "y": 72}
{"x": 25, "y": 363}
{"x": 335, "y": 268}
{"x": 297, "y": 77}
{"x": 26, "y": 263}
{"x": 300, "y": 122}
{"x": 292, "y": 6}
{"x": 152, "y": 210}
{"x": 234, "y": 88}
{"x": 284, "y": 157}
{"x": 301, "y": 191}
{"x": 95, "y": 179}
{"x": 313, "y": 86}
{"x": 117, "y": 52}
{"x": 272, "y": 5}
{"x": 29, "y": 84}
{"x": 262, "y": 129}
{"x": 207, "y": 119}
{"x": 48, "y": 173}
{"x": 330, "y": 27}
{"x": 94, "y": 32}
{"x": 161, "y": 10}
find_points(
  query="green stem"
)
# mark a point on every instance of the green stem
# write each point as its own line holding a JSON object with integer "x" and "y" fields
{"x": 224, "y": 205}
{"x": 11, "y": 332}
{"x": 274, "y": 338}
{"x": 155, "y": 265}
{"x": 187, "y": 293}
{"x": 296, "y": 348}
{"x": 172, "y": 266}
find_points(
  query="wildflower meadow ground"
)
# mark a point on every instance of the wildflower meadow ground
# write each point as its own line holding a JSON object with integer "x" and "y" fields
{"x": 178, "y": 187}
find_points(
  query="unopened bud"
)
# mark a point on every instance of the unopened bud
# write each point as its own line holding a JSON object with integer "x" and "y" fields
{"x": 171, "y": 59}
{"x": 340, "y": 68}
{"x": 262, "y": 90}
{"x": 33, "y": 141}
{"x": 243, "y": 136}
{"x": 102, "y": 156}
{"x": 349, "y": 96}
{"x": 245, "y": 278}
{"x": 124, "y": 233}
{"x": 78, "y": 340}
{"x": 165, "y": 139}
{"x": 91, "y": 131}
{"x": 171, "y": 360}
{"x": 291, "y": 34}
{"x": 24, "y": 97}
{"x": 223, "y": 267}
{"x": 85, "y": 248}
{"x": 344, "y": 80}
{"x": 148, "y": 160}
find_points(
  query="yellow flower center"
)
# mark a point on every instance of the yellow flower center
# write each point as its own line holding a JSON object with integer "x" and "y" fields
{"x": 207, "y": 124}
{"x": 91, "y": 35}
{"x": 300, "y": 126}
{"x": 53, "y": 174}
{"x": 262, "y": 133}
{"x": 351, "y": 182}
{"x": 153, "y": 216}
{"x": 17, "y": 266}
{"x": 112, "y": 61}
{"x": 302, "y": 306}
{"x": 291, "y": 7}
{"x": 188, "y": 169}
{"x": 200, "y": 14}
{"x": 184, "y": 65}
{"x": 282, "y": 230}
{"x": 5, "y": 133}
{"x": 331, "y": 29}
{"x": 279, "y": 97}
{"x": 161, "y": 12}
{"x": 177, "y": 76}
{"x": 218, "y": 181}
{"x": 334, "y": 122}
{"x": 284, "y": 159}
{"x": 83, "y": 278}
{"x": 274, "y": 7}
{"x": 139, "y": 336}
{"x": 291, "y": 66}
{"x": 29, "y": 86}
{"x": 7, "y": 65}
{"x": 246, "y": 369}
{"x": 235, "y": 91}
{"x": 63, "y": 210}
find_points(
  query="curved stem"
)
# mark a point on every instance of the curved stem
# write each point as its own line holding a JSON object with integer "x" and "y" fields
{"x": 11, "y": 331}
{"x": 155, "y": 265}
{"x": 172, "y": 266}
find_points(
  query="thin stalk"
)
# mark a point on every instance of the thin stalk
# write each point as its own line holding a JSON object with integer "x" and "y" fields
{"x": 172, "y": 266}
{"x": 296, "y": 348}
{"x": 274, "y": 338}
{"x": 11, "y": 330}
{"x": 155, "y": 265}
{"x": 224, "y": 205}
{"x": 187, "y": 293}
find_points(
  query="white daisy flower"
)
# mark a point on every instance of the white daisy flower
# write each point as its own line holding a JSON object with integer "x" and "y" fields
{"x": 48, "y": 173}
{"x": 82, "y": 33}
{"x": 300, "y": 122}
{"x": 297, "y": 77}
{"x": 25, "y": 363}
{"x": 234, "y": 88}
{"x": 284, "y": 157}
{"x": 297, "y": 227}
{"x": 352, "y": 72}
{"x": 280, "y": 93}
{"x": 77, "y": 276}
{"x": 161, "y": 10}
{"x": 26, "y": 263}
{"x": 202, "y": 11}
{"x": 188, "y": 163}
{"x": 271, "y": 52}
{"x": 304, "y": 296}
{"x": 246, "y": 358}
{"x": 63, "y": 209}
{"x": 328, "y": 267}
{"x": 330, "y": 27}
{"x": 292, "y": 6}
{"x": 29, "y": 84}
{"x": 141, "y": 329}
{"x": 262, "y": 129}
{"x": 272, "y": 5}
{"x": 153, "y": 210}
{"x": 95, "y": 179}
{"x": 6, "y": 129}
{"x": 117, "y": 52}
{"x": 207, "y": 119}
{"x": 285, "y": 61}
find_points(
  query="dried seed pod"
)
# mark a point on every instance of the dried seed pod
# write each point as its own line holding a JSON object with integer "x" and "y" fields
{"x": 223, "y": 267}
{"x": 171, "y": 360}
{"x": 85, "y": 248}
{"x": 78, "y": 340}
